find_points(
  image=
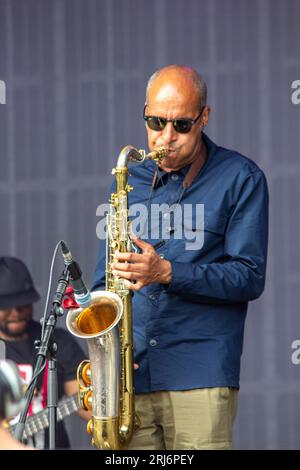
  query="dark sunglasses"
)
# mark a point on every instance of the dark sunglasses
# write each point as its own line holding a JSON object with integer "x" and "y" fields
{"x": 181, "y": 125}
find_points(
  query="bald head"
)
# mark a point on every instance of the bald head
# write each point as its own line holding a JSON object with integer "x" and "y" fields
{"x": 178, "y": 77}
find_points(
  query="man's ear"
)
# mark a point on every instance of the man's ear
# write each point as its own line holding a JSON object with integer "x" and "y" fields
{"x": 205, "y": 116}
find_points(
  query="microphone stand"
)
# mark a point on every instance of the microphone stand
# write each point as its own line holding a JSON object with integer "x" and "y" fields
{"x": 47, "y": 349}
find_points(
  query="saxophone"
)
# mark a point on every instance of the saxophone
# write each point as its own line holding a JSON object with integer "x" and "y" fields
{"x": 105, "y": 382}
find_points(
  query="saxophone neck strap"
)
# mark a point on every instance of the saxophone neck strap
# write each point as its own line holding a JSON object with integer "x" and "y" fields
{"x": 193, "y": 171}
{"x": 195, "y": 167}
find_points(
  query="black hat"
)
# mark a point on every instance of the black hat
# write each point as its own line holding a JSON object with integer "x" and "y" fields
{"x": 16, "y": 285}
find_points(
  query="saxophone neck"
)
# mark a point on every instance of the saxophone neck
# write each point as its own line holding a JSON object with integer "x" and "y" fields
{"x": 128, "y": 154}
{"x": 131, "y": 154}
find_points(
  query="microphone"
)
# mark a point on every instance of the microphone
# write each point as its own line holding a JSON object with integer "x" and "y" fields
{"x": 81, "y": 293}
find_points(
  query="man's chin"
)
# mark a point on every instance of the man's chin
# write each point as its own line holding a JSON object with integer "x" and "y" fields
{"x": 15, "y": 330}
{"x": 169, "y": 164}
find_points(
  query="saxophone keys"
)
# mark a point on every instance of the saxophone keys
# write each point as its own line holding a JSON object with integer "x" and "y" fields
{"x": 89, "y": 427}
{"x": 87, "y": 400}
{"x": 84, "y": 372}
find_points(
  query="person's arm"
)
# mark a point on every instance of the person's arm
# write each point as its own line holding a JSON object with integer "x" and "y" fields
{"x": 70, "y": 388}
{"x": 8, "y": 442}
{"x": 240, "y": 276}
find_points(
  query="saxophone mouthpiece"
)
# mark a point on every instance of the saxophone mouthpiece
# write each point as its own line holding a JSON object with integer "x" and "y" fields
{"x": 158, "y": 154}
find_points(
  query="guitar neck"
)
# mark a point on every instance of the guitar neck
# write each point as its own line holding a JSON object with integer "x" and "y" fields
{"x": 39, "y": 421}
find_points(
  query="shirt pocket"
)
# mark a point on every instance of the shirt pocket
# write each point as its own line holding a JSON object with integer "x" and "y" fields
{"x": 203, "y": 233}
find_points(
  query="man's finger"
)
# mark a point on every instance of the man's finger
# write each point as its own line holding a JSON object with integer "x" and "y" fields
{"x": 132, "y": 276}
{"x": 137, "y": 286}
{"x": 132, "y": 257}
{"x": 127, "y": 267}
{"x": 142, "y": 244}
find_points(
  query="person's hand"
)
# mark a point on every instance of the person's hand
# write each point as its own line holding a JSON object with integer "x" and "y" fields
{"x": 141, "y": 269}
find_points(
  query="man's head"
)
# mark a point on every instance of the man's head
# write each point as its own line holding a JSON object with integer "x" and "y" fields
{"x": 176, "y": 92}
{"x": 17, "y": 294}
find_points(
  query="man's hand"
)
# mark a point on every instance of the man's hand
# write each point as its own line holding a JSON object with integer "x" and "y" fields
{"x": 70, "y": 388}
{"x": 143, "y": 268}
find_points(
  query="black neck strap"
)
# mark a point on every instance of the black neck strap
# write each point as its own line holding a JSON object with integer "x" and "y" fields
{"x": 193, "y": 170}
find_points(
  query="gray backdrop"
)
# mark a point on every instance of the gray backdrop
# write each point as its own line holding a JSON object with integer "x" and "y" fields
{"x": 75, "y": 72}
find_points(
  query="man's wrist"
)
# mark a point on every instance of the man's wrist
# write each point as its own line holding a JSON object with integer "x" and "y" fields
{"x": 166, "y": 272}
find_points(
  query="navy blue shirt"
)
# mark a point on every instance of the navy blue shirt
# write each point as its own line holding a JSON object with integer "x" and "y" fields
{"x": 189, "y": 334}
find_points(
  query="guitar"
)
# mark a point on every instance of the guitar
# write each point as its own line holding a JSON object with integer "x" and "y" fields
{"x": 39, "y": 421}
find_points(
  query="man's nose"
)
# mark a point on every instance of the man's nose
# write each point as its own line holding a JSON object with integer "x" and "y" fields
{"x": 169, "y": 134}
{"x": 14, "y": 312}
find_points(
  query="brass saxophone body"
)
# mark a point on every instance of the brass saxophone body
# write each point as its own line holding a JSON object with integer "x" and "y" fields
{"x": 106, "y": 381}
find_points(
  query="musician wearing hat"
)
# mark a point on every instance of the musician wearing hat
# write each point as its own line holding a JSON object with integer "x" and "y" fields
{"x": 19, "y": 331}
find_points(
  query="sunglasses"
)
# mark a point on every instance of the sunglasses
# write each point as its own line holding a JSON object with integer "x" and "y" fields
{"x": 181, "y": 125}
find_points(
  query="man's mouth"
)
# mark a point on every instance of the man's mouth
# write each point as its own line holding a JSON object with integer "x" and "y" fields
{"x": 172, "y": 151}
{"x": 15, "y": 322}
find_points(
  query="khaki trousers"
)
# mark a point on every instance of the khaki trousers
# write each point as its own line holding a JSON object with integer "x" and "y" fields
{"x": 190, "y": 419}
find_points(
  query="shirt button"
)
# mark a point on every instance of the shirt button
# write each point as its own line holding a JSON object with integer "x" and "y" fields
{"x": 153, "y": 342}
{"x": 152, "y": 297}
{"x": 162, "y": 256}
{"x": 174, "y": 177}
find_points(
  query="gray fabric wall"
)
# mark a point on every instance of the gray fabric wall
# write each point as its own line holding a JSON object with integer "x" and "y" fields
{"x": 75, "y": 73}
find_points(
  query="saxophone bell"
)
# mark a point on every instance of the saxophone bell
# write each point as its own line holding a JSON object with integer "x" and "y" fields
{"x": 99, "y": 318}
{"x": 98, "y": 378}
